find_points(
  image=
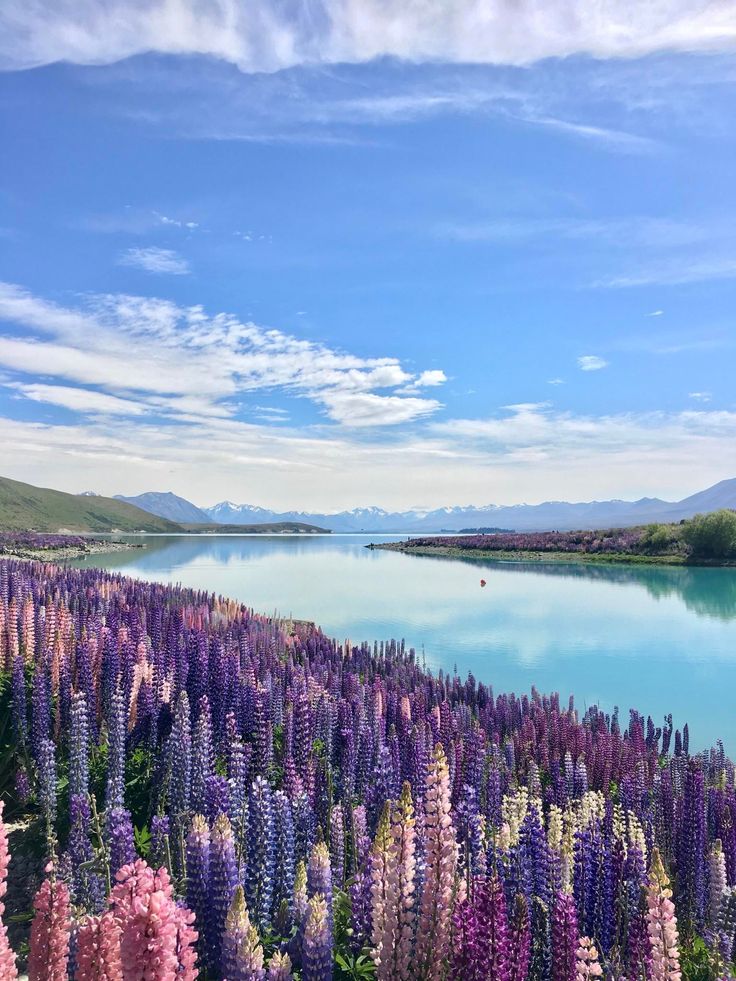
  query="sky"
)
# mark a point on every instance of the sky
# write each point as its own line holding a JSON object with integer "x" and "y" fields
{"x": 363, "y": 252}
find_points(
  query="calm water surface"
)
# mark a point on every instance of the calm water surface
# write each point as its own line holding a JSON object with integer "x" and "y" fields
{"x": 661, "y": 639}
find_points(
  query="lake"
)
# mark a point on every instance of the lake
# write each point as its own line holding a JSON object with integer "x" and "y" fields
{"x": 661, "y": 639}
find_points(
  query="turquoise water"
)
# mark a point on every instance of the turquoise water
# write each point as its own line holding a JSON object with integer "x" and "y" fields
{"x": 660, "y": 639}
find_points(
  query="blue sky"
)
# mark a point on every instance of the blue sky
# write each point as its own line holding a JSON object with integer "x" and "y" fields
{"x": 373, "y": 255}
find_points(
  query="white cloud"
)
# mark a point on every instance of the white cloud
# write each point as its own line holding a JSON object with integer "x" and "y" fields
{"x": 700, "y": 396}
{"x": 431, "y": 378}
{"x": 79, "y": 399}
{"x": 591, "y": 362}
{"x": 156, "y": 260}
{"x": 262, "y": 36}
{"x": 556, "y": 381}
{"x": 183, "y": 362}
{"x": 655, "y": 313}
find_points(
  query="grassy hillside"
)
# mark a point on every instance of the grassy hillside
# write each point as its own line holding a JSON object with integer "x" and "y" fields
{"x": 25, "y": 507}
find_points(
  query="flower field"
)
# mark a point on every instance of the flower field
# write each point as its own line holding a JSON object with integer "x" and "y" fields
{"x": 209, "y": 793}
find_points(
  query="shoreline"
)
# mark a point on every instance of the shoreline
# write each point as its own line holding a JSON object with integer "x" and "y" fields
{"x": 65, "y": 551}
{"x": 586, "y": 558}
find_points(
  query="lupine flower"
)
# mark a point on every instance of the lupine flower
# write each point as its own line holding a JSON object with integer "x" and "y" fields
{"x": 237, "y": 928}
{"x": 317, "y": 943}
{"x": 223, "y": 879}
{"x": 7, "y": 957}
{"x": 260, "y": 839}
{"x": 433, "y": 929}
{"x": 156, "y": 938}
{"x": 279, "y": 968}
{"x": 662, "y": 925}
{"x": 588, "y": 965}
{"x": 565, "y": 939}
{"x": 97, "y": 949}
{"x": 48, "y": 957}
{"x": 198, "y": 879}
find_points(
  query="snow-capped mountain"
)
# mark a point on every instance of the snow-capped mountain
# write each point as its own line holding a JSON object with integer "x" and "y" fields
{"x": 560, "y": 515}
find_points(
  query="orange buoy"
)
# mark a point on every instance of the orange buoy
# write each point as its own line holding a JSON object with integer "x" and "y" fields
{"x": 482, "y": 582}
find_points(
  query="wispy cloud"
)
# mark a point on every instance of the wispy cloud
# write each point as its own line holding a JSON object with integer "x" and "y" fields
{"x": 155, "y": 260}
{"x": 591, "y": 362}
{"x": 678, "y": 271}
{"x": 182, "y": 362}
{"x": 700, "y": 396}
{"x": 615, "y": 138}
{"x": 264, "y": 37}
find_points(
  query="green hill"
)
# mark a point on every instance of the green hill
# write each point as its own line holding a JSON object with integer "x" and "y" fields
{"x": 24, "y": 507}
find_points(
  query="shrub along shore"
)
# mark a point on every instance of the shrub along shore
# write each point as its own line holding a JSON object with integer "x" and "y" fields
{"x": 703, "y": 540}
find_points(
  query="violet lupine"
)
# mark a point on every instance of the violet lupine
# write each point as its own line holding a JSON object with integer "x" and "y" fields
{"x": 664, "y": 962}
{"x": 202, "y": 756}
{"x": 565, "y": 938}
{"x": 433, "y": 928}
{"x": 8, "y": 970}
{"x": 115, "y": 792}
{"x": 48, "y": 956}
{"x": 260, "y": 839}
{"x": 198, "y": 879}
{"x": 180, "y": 760}
{"x": 317, "y": 942}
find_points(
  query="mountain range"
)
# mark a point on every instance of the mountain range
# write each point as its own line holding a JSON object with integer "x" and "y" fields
{"x": 551, "y": 515}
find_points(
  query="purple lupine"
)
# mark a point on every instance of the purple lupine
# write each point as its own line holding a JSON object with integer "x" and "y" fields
{"x": 520, "y": 941}
{"x": 202, "y": 756}
{"x": 114, "y": 796}
{"x": 180, "y": 760}
{"x": 120, "y": 838}
{"x": 284, "y": 852}
{"x": 198, "y": 876}
{"x": 259, "y": 879}
{"x": 223, "y": 879}
{"x": 317, "y": 943}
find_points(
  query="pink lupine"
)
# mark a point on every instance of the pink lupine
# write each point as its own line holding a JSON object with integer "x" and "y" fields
{"x": 435, "y": 914}
{"x": 586, "y": 960}
{"x": 48, "y": 958}
{"x": 401, "y": 891}
{"x": 98, "y": 949}
{"x": 156, "y": 938}
{"x": 661, "y": 924}
{"x": 382, "y": 861}
{"x": 8, "y": 970}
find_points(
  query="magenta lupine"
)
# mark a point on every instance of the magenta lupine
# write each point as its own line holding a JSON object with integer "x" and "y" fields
{"x": 664, "y": 962}
{"x": 565, "y": 938}
{"x": 8, "y": 970}
{"x": 48, "y": 956}
{"x": 440, "y": 859}
{"x": 520, "y": 940}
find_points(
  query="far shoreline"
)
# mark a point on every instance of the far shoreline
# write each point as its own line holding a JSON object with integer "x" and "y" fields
{"x": 539, "y": 557}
